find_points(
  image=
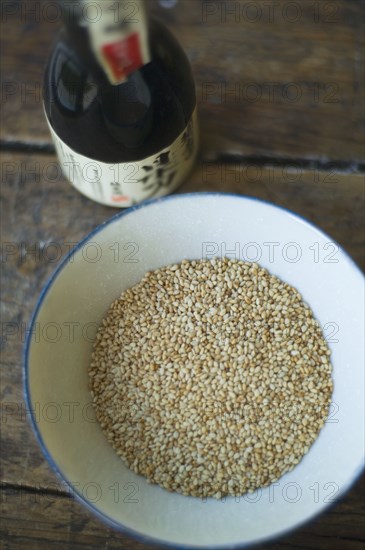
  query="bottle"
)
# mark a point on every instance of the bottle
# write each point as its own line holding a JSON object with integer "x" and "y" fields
{"x": 119, "y": 98}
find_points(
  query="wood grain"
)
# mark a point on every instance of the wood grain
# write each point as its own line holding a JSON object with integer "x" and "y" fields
{"x": 272, "y": 148}
{"x": 35, "y": 521}
{"x": 40, "y": 207}
{"x": 271, "y": 81}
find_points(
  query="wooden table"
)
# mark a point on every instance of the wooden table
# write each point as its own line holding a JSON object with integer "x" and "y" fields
{"x": 280, "y": 93}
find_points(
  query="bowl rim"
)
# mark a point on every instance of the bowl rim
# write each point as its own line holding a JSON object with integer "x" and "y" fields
{"x": 146, "y": 539}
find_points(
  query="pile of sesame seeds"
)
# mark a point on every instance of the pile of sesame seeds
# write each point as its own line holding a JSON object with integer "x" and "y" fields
{"x": 211, "y": 377}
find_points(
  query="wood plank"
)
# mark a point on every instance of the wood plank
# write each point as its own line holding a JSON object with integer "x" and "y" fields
{"x": 274, "y": 80}
{"x": 36, "y": 212}
{"x": 35, "y": 521}
{"x": 38, "y": 520}
{"x": 39, "y": 208}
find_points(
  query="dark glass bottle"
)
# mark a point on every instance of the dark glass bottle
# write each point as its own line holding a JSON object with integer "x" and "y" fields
{"x": 122, "y": 113}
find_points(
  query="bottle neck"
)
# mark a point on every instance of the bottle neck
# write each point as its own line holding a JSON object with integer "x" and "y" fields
{"x": 111, "y": 36}
{"x": 111, "y": 39}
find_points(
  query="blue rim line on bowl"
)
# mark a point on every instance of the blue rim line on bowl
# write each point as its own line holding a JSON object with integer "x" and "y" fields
{"x": 27, "y": 397}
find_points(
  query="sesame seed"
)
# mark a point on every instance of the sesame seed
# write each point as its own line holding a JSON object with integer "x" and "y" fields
{"x": 211, "y": 377}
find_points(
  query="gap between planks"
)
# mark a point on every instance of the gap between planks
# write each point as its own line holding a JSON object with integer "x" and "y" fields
{"x": 324, "y": 165}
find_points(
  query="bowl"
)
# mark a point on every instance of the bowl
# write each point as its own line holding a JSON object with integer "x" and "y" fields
{"x": 114, "y": 257}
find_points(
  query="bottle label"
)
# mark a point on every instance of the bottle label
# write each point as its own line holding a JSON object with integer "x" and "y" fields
{"x": 126, "y": 184}
{"x": 119, "y": 38}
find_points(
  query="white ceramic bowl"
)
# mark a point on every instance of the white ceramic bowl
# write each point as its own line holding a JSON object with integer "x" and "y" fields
{"x": 114, "y": 257}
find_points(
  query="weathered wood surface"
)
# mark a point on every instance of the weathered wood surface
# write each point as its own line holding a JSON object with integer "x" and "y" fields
{"x": 280, "y": 79}
{"x": 304, "y": 62}
{"x": 38, "y": 208}
{"x": 42, "y": 521}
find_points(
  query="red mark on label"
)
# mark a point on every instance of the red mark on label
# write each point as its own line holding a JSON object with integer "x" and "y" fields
{"x": 124, "y": 56}
{"x": 120, "y": 198}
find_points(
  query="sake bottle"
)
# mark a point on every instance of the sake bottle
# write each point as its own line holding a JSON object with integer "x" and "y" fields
{"x": 119, "y": 98}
